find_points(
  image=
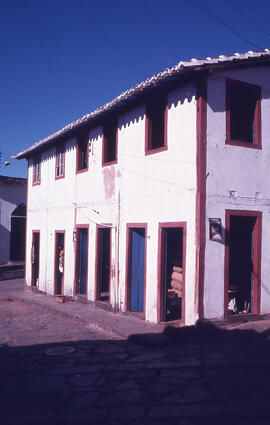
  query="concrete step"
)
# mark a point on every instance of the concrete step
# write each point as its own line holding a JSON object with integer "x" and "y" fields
{"x": 11, "y": 271}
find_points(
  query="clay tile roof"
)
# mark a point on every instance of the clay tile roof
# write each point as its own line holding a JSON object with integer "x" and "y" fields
{"x": 121, "y": 101}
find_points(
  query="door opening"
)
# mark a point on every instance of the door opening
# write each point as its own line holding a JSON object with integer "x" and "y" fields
{"x": 35, "y": 259}
{"x": 172, "y": 274}
{"x": 242, "y": 273}
{"x": 81, "y": 261}
{"x": 103, "y": 263}
{"x": 17, "y": 233}
{"x": 59, "y": 263}
{"x": 136, "y": 269}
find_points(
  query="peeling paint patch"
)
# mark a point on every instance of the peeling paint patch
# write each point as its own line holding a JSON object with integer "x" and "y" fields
{"x": 109, "y": 181}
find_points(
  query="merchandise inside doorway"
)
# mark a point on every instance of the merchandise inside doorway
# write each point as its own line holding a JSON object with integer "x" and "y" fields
{"x": 59, "y": 263}
{"x": 81, "y": 261}
{"x": 35, "y": 259}
{"x": 172, "y": 274}
{"x": 103, "y": 263}
{"x": 241, "y": 260}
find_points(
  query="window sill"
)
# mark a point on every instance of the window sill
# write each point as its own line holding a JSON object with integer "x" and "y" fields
{"x": 59, "y": 177}
{"x": 156, "y": 150}
{"x": 83, "y": 170}
{"x": 238, "y": 143}
{"x": 105, "y": 164}
{"x": 36, "y": 183}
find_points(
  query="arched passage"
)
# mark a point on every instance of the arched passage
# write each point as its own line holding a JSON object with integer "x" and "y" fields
{"x": 17, "y": 233}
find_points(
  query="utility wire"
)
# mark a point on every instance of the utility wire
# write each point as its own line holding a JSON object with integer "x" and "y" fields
{"x": 244, "y": 15}
{"x": 214, "y": 16}
{"x": 257, "y": 11}
{"x": 107, "y": 36}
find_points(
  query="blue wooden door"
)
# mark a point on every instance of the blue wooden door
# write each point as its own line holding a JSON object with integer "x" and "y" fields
{"x": 83, "y": 261}
{"x": 137, "y": 241}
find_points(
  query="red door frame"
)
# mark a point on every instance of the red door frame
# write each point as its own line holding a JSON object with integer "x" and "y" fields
{"x": 77, "y": 247}
{"x": 129, "y": 227}
{"x": 33, "y": 233}
{"x": 161, "y": 252}
{"x": 257, "y": 248}
{"x": 56, "y": 257}
{"x": 97, "y": 260}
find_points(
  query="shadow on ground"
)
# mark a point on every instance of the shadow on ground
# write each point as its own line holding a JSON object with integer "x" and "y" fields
{"x": 200, "y": 375}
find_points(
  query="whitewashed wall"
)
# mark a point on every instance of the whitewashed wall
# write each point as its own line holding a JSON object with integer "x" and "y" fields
{"x": 142, "y": 189}
{"x": 233, "y": 168}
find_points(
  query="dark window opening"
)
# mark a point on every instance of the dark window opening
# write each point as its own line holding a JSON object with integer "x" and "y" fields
{"x": 172, "y": 273}
{"x": 36, "y": 169}
{"x": 110, "y": 142}
{"x": 156, "y": 113}
{"x": 60, "y": 161}
{"x": 241, "y": 278}
{"x": 243, "y": 111}
{"x": 82, "y": 152}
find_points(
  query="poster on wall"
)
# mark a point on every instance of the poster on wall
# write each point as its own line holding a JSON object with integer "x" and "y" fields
{"x": 215, "y": 229}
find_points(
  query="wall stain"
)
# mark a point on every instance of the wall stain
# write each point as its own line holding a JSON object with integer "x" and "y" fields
{"x": 109, "y": 181}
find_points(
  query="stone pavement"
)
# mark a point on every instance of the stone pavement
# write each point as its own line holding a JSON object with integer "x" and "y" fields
{"x": 204, "y": 375}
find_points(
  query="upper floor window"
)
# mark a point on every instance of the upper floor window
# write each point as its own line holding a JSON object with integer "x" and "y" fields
{"x": 156, "y": 124}
{"x": 243, "y": 114}
{"x": 82, "y": 152}
{"x": 109, "y": 150}
{"x": 36, "y": 169}
{"x": 60, "y": 162}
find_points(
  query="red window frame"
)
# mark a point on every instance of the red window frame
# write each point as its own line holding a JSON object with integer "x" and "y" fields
{"x": 60, "y": 162}
{"x": 255, "y": 92}
{"x": 36, "y": 170}
{"x": 110, "y": 139}
{"x": 157, "y": 106}
{"x": 82, "y": 143}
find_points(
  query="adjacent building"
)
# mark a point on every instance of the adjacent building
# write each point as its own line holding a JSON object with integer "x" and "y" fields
{"x": 158, "y": 202}
{"x": 12, "y": 219}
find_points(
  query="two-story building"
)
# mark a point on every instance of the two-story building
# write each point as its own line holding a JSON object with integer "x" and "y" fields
{"x": 158, "y": 202}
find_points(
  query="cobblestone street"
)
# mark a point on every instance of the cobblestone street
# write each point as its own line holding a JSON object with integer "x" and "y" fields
{"x": 56, "y": 370}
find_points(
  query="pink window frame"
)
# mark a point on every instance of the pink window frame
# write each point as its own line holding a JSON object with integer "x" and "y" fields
{"x": 257, "y": 116}
{"x": 105, "y": 148}
{"x": 60, "y": 150}
{"x": 148, "y": 133}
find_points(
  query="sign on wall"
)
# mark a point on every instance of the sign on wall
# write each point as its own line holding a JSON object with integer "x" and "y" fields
{"x": 215, "y": 229}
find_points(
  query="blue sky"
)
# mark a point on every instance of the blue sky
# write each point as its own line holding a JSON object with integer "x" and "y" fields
{"x": 61, "y": 59}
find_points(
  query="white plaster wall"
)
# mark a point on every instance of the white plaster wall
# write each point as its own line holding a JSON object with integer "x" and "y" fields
{"x": 11, "y": 196}
{"x": 233, "y": 168}
{"x": 138, "y": 189}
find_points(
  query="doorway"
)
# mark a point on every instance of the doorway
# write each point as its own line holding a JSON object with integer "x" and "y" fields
{"x": 172, "y": 272}
{"x": 59, "y": 263}
{"x": 17, "y": 233}
{"x": 81, "y": 261}
{"x": 103, "y": 263}
{"x": 35, "y": 258}
{"x": 136, "y": 258}
{"x": 242, "y": 262}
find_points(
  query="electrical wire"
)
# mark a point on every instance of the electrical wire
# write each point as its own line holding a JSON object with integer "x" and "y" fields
{"x": 247, "y": 17}
{"x": 214, "y": 16}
